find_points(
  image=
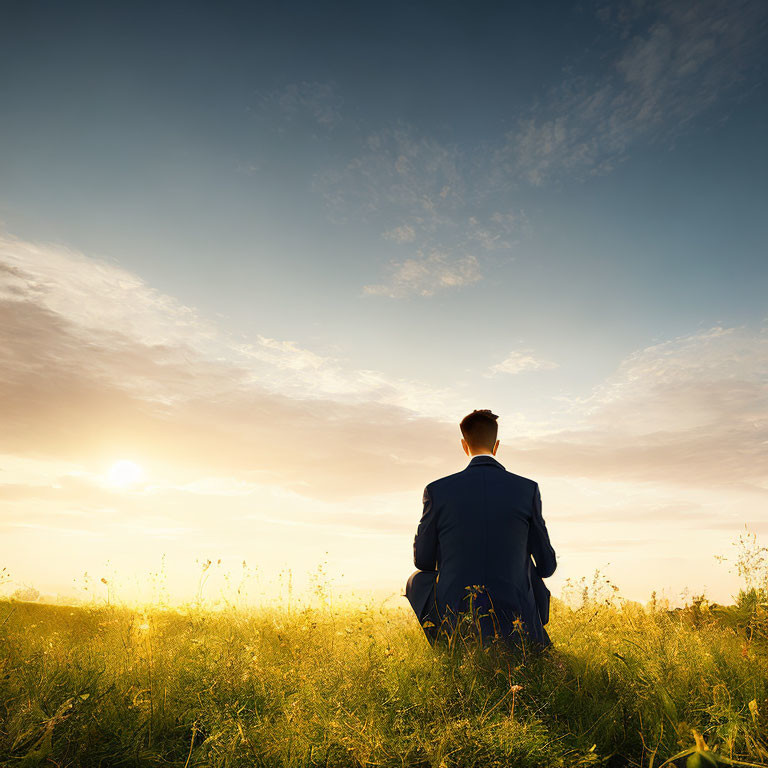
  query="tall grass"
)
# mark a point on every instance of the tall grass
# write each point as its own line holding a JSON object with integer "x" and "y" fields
{"x": 624, "y": 684}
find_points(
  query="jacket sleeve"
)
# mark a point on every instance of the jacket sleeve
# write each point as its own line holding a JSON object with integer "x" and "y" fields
{"x": 538, "y": 540}
{"x": 425, "y": 541}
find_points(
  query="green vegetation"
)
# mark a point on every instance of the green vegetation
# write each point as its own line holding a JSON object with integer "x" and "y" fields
{"x": 624, "y": 684}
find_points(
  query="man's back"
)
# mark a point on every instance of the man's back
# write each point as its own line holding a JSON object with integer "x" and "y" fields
{"x": 479, "y": 527}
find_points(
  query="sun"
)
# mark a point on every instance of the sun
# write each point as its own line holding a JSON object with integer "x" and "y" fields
{"x": 124, "y": 472}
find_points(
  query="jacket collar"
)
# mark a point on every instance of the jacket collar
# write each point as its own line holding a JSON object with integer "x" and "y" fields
{"x": 477, "y": 461}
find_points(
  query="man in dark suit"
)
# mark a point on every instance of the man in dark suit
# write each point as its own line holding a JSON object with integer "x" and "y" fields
{"x": 479, "y": 529}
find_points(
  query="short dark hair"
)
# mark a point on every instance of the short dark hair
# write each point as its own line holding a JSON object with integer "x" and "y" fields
{"x": 480, "y": 428}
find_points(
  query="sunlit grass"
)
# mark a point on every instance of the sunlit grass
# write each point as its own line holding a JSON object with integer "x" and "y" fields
{"x": 624, "y": 684}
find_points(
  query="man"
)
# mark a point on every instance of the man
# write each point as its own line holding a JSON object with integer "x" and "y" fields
{"x": 479, "y": 529}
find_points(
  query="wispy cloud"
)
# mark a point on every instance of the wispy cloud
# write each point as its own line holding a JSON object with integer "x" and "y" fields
{"x": 395, "y": 176}
{"x": 425, "y": 198}
{"x": 402, "y": 234}
{"x": 449, "y": 211}
{"x": 672, "y": 61}
{"x": 316, "y": 103}
{"x": 690, "y": 411}
{"x": 105, "y": 304}
{"x": 499, "y": 231}
{"x": 426, "y": 274}
{"x": 94, "y": 362}
{"x": 519, "y": 361}
{"x": 96, "y": 366}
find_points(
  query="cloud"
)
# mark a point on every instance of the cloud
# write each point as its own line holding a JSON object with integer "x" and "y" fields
{"x": 85, "y": 500}
{"x": 248, "y": 446}
{"x": 500, "y": 231}
{"x": 520, "y": 361}
{"x": 306, "y": 101}
{"x": 95, "y": 294}
{"x": 665, "y": 64}
{"x": 101, "y": 301}
{"x": 93, "y": 363}
{"x": 395, "y": 174}
{"x": 426, "y": 274}
{"x": 690, "y": 411}
{"x": 403, "y": 234}
{"x": 671, "y": 62}
{"x": 428, "y": 199}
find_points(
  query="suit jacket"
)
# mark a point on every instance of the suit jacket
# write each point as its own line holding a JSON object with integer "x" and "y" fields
{"x": 540, "y": 592}
{"x": 481, "y": 526}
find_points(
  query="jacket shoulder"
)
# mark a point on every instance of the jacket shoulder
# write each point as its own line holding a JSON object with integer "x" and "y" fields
{"x": 448, "y": 480}
{"x": 524, "y": 481}
{"x": 441, "y": 482}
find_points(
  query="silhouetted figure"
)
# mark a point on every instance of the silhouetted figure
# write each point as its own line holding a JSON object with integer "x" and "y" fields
{"x": 479, "y": 529}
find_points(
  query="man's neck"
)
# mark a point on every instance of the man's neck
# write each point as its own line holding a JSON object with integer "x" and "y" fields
{"x": 473, "y": 455}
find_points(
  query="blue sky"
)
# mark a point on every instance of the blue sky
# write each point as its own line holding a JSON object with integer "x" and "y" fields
{"x": 555, "y": 210}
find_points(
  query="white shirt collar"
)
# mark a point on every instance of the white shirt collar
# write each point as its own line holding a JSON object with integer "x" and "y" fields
{"x": 482, "y": 454}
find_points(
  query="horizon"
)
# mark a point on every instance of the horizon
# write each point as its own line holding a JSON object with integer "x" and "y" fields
{"x": 257, "y": 263}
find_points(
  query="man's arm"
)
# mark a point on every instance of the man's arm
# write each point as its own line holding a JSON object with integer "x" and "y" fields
{"x": 425, "y": 541}
{"x": 538, "y": 540}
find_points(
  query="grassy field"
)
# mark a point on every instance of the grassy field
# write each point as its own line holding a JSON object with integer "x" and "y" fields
{"x": 624, "y": 684}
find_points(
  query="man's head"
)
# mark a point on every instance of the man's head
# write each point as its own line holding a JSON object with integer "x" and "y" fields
{"x": 479, "y": 429}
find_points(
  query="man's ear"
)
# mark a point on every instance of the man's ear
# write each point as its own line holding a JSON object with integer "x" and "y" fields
{"x": 465, "y": 446}
{"x": 495, "y": 448}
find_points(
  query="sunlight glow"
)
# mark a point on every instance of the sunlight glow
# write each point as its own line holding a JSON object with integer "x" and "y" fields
{"x": 124, "y": 473}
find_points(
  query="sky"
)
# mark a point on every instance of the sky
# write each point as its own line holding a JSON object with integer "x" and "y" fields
{"x": 258, "y": 260}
